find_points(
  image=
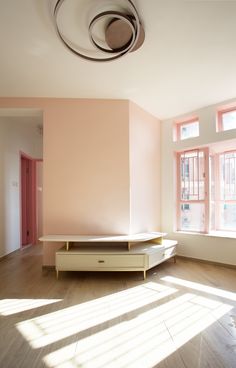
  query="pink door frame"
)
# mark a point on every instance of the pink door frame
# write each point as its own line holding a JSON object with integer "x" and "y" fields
{"x": 28, "y": 207}
{"x": 39, "y": 199}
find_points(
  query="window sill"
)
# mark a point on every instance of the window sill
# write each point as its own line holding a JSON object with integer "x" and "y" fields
{"x": 223, "y": 234}
{"x": 217, "y": 234}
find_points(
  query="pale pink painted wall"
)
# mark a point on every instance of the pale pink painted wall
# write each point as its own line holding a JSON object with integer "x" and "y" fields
{"x": 86, "y": 166}
{"x": 86, "y": 182}
{"x": 144, "y": 170}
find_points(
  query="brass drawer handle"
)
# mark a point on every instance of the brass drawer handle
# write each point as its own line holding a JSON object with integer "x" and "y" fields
{"x": 101, "y": 261}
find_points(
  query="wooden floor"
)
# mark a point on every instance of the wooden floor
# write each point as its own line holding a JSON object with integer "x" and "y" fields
{"x": 182, "y": 316}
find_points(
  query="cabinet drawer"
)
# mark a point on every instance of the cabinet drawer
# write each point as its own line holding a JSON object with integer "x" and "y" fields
{"x": 76, "y": 262}
{"x": 170, "y": 252}
{"x": 156, "y": 258}
{"x": 160, "y": 256}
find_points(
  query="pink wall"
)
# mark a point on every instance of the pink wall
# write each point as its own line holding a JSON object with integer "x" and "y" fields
{"x": 144, "y": 171}
{"x": 86, "y": 171}
{"x": 86, "y": 168}
{"x": 101, "y": 167}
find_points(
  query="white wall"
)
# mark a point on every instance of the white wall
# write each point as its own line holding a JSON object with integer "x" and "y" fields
{"x": 192, "y": 245}
{"x": 16, "y": 134}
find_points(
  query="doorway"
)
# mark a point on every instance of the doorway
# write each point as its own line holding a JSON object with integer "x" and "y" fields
{"x": 28, "y": 200}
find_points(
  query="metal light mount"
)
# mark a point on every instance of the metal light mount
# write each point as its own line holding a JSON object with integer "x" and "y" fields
{"x": 123, "y": 33}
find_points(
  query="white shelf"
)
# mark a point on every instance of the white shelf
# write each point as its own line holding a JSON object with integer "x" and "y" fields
{"x": 129, "y": 239}
{"x": 141, "y": 237}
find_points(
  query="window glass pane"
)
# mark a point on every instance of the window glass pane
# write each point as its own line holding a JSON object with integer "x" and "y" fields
{"x": 212, "y": 216}
{"x": 212, "y": 194}
{"x": 229, "y": 120}
{"x": 189, "y": 130}
{"x": 228, "y": 176}
{"x": 212, "y": 178}
{"x": 192, "y": 216}
{"x": 192, "y": 175}
{"x": 228, "y": 216}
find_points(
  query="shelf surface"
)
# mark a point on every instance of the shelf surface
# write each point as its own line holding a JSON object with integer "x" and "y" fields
{"x": 137, "y": 249}
{"x": 141, "y": 237}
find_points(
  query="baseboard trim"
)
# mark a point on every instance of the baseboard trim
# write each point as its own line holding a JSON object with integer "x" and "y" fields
{"x": 48, "y": 268}
{"x": 208, "y": 262}
{"x": 8, "y": 255}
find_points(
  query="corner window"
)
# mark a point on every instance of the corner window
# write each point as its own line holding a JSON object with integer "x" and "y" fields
{"x": 226, "y": 120}
{"x": 187, "y": 129}
{"x": 206, "y": 191}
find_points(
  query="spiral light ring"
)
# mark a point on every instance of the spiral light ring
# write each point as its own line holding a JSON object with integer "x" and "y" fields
{"x": 131, "y": 19}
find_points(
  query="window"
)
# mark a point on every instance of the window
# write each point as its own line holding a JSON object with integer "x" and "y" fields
{"x": 227, "y": 119}
{"x": 192, "y": 190}
{"x": 206, "y": 191}
{"x": 187, "y": 129}
{"x": 224, "y": 196}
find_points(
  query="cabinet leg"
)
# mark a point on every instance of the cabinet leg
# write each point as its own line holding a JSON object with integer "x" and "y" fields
{"x": 67, "y": 245}
{"x": 144, "y": 274}
{"x": 57, "y": 274}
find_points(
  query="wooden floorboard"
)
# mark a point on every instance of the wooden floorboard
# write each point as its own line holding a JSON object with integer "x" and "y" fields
{"x": 182, "y": 316}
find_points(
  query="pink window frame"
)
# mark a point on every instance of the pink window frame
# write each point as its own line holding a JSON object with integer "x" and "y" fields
{"x": 180, "y": 124}
{"x": 220, "y": 114}
{"x": 218, "y": 200}
{"x": 206, "y": 199}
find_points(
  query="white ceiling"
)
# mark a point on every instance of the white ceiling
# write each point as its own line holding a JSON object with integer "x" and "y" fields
{"x": 188, "y": 59}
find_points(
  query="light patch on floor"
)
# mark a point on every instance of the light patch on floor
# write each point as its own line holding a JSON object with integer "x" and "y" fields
{"x": 13, "y": 306}
{"x": 200, "y": 287}
{"x": 52, "y": 327}
{"x": 145, "y": 340}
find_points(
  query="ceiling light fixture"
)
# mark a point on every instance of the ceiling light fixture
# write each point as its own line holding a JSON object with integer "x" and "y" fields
{"x": 123, "y": 33}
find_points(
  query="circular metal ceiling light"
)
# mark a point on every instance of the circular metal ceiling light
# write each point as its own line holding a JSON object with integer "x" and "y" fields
{"x": 123, "y": 33}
